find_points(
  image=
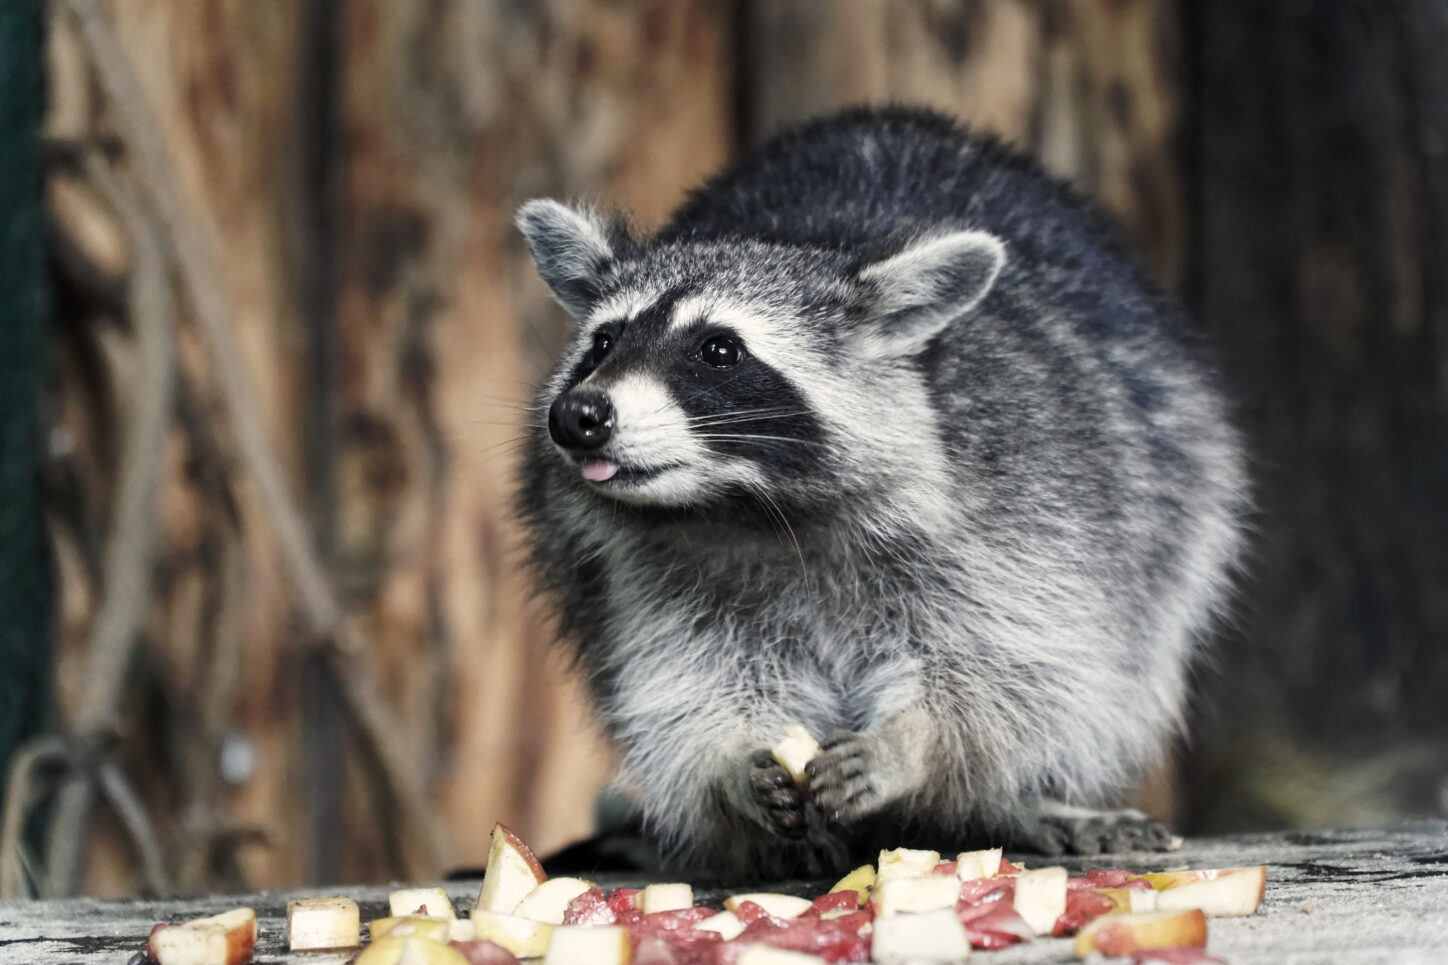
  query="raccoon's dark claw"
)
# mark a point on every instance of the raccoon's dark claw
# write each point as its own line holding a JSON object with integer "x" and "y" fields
{"x": 1095, "y": 832}
{"x": 777, "y": 795}
{"x": 840, "y": 777}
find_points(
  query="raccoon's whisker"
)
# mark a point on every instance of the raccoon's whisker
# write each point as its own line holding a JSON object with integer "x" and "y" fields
{"x": 704, "y": 422}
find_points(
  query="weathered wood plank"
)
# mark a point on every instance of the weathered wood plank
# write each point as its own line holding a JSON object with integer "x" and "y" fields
{"x": 1345, "y": 898}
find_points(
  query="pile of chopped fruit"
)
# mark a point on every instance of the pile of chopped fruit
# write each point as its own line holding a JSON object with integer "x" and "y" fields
{"x": 910, "y": 906}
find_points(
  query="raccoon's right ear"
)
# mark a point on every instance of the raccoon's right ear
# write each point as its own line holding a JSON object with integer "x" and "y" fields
{"x": 916, "y": 293}
{"x": 574, "y": 249}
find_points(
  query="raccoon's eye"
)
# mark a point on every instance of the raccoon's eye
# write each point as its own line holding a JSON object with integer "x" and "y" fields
{"x": 721, "y": 351}
{"x": 602, "y": 342}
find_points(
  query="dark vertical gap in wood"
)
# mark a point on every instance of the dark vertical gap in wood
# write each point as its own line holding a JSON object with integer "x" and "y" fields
{"x": 744, "y": 81}
{"x": 319, "y": 134}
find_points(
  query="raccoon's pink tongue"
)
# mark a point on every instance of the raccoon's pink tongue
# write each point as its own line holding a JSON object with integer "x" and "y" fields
{"x": 598, "y": 470}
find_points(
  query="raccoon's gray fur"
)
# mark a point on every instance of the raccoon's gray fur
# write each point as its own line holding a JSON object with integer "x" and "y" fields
{"x": 900, "y": 446}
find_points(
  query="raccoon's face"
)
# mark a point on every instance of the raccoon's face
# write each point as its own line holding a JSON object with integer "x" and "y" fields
{"x": 707, "y": 372}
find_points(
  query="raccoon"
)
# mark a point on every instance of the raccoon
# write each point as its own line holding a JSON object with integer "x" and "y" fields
{"x": 882, "y": 433}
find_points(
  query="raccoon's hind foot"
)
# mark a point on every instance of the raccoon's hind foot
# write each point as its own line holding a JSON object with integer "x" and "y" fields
{"x": 777, "y": 796}
{"x": 1063, "y": 829}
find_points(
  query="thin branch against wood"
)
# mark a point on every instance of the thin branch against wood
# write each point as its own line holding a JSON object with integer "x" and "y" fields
{"x": 129, "y": 554}
{"x": 198, "y": 275}
{"x": 19, "y": 790}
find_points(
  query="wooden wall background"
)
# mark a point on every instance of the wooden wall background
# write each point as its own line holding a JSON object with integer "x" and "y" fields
{"x": 355, "y": 164}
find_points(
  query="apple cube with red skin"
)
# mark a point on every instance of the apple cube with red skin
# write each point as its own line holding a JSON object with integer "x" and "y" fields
{"x": 1219, "y": 893}
{"x": 512, "y": 872}
{"x": 549, "y": 901}
{"x": 1127, "y": 934}
{"x": 224, "y": 939}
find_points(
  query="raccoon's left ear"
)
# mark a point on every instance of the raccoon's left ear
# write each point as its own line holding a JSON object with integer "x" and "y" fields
{"x": 921, "y": 290}
{"x": 574, "y": 249}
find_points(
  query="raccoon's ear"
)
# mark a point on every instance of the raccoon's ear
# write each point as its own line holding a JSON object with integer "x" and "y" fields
{"x": 916, "y": 293}
{"x": 574, "y": 249}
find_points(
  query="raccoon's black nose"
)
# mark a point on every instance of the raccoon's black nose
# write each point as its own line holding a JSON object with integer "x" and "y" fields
{"x": 578, "y": 421}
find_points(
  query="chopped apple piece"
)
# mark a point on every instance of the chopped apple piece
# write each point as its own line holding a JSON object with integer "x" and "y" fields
{"x": 935, "y": 936}
{"x": 549, "y": 901}
{"x": 971, "y": 865}
{"x": 224, "y": 939}
{"x": 513, "y": 871}
{"x": 796, "y": 750}
{"x": 1126, "y": 934}
{"x": 461, "y": 930}
{"x": 320, "y": 923}
{"x": 432, "y": 902}
{"x": 411, "y": 926}
{"x": 523, "y": 937}
{"x": 769, "y": 955}
{"x": 780, "y": 906}
{"x": 1219, "y": 893}
{"x": 1129, "y": 901}
{"x": 589, "y": 945}
{"x": 905, "y": 863}
{"x": 1041, "y": 898}
{"x": 901, "y": 895}
{"x": 860, "y": 881}
{"x": 666, "y": 897}
{"x": 407, "y": 950}
{"x": 726, "y": 923}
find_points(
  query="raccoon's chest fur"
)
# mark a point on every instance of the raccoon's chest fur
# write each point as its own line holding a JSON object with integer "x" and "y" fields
{"x": 765, "y": 635}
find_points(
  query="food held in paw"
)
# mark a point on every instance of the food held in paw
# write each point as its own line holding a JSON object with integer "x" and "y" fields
{"x": 796, "y": 750}
{"x": 512, "y": 871}
{"x": 321, "y": 923}
{"x": 224, "y": 939}
{"x": 1126, "y": 934}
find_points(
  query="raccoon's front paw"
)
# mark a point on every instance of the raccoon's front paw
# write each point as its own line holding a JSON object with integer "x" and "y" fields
{"x": 777, "y": 797}
{"x": 1059, "y": 829}
{"x": 843, "y": 777}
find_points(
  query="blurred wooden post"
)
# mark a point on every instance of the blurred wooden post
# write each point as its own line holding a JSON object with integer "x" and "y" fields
{"x": 25, "y": 585}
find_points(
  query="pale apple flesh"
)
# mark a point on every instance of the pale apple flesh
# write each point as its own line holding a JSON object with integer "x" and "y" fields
{"x": 589, "y": 945}
{"x": 860, "y": 881}
{"x": 934, "y": 936}
{"x": 432, "y": 902}
{"x": 1219, "y": 892}
{"x": 666, "y": 897}
{"x": 411, "y": 926}
{"x": 780, "y": 906}
{"x": 523, "y": 937}
{"x": 224, "y": 939}
{"x": 912, "y": 895}
{"x": 315, "y": 924}
{"x": 549, "y": 901}
{"x": 1126, "y": 934}
{"x": 795, "y": 752}
{"x": 905, "y": 863}
{"x": 512, "y": 872}
{"x": 1041, "y": 898}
